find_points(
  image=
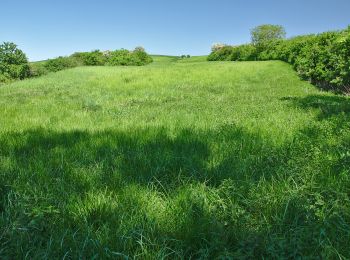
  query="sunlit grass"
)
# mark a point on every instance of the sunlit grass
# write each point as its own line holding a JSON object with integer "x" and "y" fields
{"x": 178, "y": 159}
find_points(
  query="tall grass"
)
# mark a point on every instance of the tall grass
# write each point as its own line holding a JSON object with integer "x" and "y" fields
{"x": 180, "y": 160}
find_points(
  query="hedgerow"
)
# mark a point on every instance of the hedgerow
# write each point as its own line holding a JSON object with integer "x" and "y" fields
{"x": 14, "y": 64}
{"x": 61, "y": 63}
{"x": 137, "y": 57}
{"x": 323, "y": 59}
{"x": 17, "y": 66}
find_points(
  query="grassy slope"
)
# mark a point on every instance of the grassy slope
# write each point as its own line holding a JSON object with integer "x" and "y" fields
{"x": 179, "y": 158}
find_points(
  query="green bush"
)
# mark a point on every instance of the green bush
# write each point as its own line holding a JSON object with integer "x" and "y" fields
{"x": 37, "y": 69}
{"x": 13, "y": 63}
{"x": 61, "y": 63}
{"x": 246, "y": 52}
{"x": 141, "y": 56}
{"x": 322, "y": 59}
{"x": 123, "y": 57}
{"x": 185, "y": 56}
{"x": 120, "y": 57}
{"x": 325, "y": 61}
{"x": 94, "y": 58}
{"x": 4, "y": 79}
{"x": 221, "y": 54}
{"x": 289, "y": 50}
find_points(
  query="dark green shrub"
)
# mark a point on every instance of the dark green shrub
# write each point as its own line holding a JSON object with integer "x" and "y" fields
{"x": 61, "y": 63}
{"x": 4, "y": 79}
{"x": 246, "y": 52}
{"x": 120, "y": 57}
{"x": 141, "y": 57}
{"x": 13, "y": 63}
{"x": 37, "y": 69}
{"x": 325, "y": 61}
{"x": 123, "y": 57}
{"x": 94, "y": 58}
{"x": 322, "y": 59}
{"x": 289, "y": 50}
{"x": 269, "y": 52}
{"x": 185, "y": 56}
{"x": 221, "y": 54}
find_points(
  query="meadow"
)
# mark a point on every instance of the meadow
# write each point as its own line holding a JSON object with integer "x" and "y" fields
{"x": 182, "y": 158}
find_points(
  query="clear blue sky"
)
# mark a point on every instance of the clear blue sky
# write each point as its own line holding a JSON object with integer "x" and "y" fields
{"x": 49, "y": 28}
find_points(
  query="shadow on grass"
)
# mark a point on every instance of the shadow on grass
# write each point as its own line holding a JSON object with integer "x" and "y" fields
{"x": 335, "y": 111}
{"x": 328, "y": 105}
{"x": 154, "y": 193}
{"x": 140, "y": 156}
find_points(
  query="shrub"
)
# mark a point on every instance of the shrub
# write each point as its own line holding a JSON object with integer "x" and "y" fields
{"x": 140, "y": 48}
{"x": 325, "y": 61}
{"x": 61, "y": 63}
{"x": 4, "y": 79}
{"x": 217, "y": 46}
{"x": 142, "y": 58}
{"x": 120, "y": 57}
{"x": 222, "y": 54}
{"x": 13, "y": 63}
{"x": 322, "y": 59}
{"x": 124, "y": 57}
{"x": 185, "y": 56}
{"x": 246, "y": 52}
{"x": 94, "y": 58}
{"x": 37, "y": 69}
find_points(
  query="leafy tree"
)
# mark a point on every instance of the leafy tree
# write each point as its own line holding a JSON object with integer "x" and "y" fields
{"x": 264, "y": 35}
{"x": 217, "y": 46}
{"x": 141, "y": 57}
{"x": 13, "y": 62}
{"x": 140, "y": 49}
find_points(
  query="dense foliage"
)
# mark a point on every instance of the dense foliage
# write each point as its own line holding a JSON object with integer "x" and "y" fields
{"x": 93, "y": 58}
{"x": 122, "y": 57}
{"x": 237, "y": 53}
{"x": 263, "y": 35}
{"x": 323, "y": 59}
{"x": 13, "y": 63}
{"x": 61, "y": 63}
{"x": 138, "y": 57}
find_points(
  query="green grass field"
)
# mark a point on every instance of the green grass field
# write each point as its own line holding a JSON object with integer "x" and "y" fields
{"x": 177, "y": 159}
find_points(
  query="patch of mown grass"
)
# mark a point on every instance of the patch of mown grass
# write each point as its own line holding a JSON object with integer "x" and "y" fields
{"x": 201, "y": 160}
